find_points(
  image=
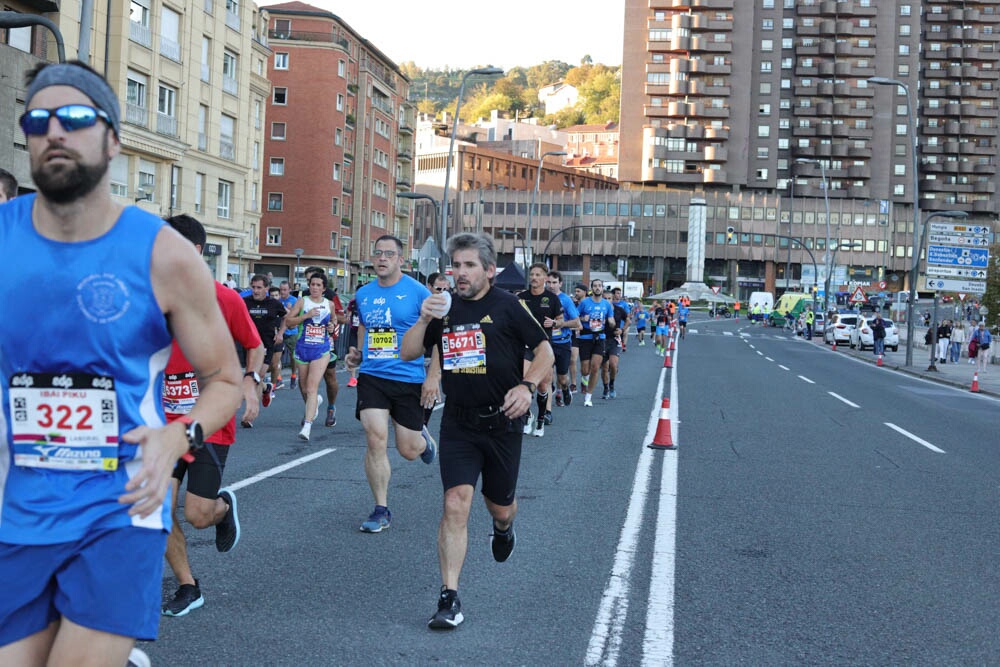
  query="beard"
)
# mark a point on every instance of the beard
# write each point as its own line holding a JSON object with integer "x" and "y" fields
{"x": 65, "y": 183}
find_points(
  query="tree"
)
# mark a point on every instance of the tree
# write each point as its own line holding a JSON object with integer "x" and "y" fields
{"x": 428, "y": 107}
{"x": 587, "y": 60}
{"x": 550, "y": 71}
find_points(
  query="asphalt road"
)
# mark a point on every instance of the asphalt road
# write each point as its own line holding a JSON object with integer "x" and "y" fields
{"x": 788, "y": 527}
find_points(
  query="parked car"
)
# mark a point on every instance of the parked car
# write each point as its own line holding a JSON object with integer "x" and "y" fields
{"x": 819, "y": 324}
{"x": 839, "y": 328}
{"x": 861, "y": 335}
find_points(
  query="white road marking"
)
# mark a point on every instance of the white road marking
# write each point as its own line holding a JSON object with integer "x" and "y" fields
{"x": 606, "y": 636}
{"x": 769, "y": 358}
{"x": 658, "y": 644}
{"x": 759, "y": 352}
{"x": 751, "y": 346}
{"x": 278, "y": 470}
{"x": 844, "y": 400}
{"x": 784, "y": 368}
{"x": 914, "y": 438}
{"x": 692, "y": 331}
{"x": 803, "y": 377}
{"x": 727, "y": 333}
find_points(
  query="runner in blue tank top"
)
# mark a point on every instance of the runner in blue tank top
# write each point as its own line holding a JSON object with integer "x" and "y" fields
{"x": 387, "y": 385}
{"x": 85, "y": 458}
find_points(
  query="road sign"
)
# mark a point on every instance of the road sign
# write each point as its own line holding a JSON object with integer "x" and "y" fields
{"x": 859, "y": 296}
{"x": 961, "y": 297}
{"x": 881, "y": 284}
{"x": 961, "y": 240}
{"x": 944, "y": 255}
{"x": 953, "y": 228}
{"x": 948, "y": 285}
{"x": 949, "y": 272}
{"x": 715, "y": 289}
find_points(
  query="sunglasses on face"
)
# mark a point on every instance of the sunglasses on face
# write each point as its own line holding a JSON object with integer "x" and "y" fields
{"x": 388, "y": 254}
{"x": 72, "y": 117}
{"x": 440, "y": 289}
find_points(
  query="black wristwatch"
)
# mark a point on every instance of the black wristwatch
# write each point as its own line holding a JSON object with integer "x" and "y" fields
{"x": 195, "y": 434}
{"x": 529, "y": 385}
{"x": 254, "y": 375}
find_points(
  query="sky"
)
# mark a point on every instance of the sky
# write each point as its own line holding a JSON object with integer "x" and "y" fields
{"x": 465, "y": 33}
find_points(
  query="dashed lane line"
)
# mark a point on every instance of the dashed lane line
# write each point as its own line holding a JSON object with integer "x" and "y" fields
{"x": 843, "y": 400}
{"x": 914, "y": 438}
{"x": 805, "y": 379}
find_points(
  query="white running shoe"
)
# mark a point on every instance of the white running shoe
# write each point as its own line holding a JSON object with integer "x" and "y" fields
{"x": 587, "y": 403}
{"x": 539, "y": 429}
{"x": 306, "y": 430}
{"x": 319, "y": 402}
{"x": 529, "y": 425}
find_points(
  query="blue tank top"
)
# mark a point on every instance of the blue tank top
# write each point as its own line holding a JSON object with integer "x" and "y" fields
{"x": 565, "y": 336}
{"x": 88, "y": 370}
{"x": 599, "y": 312}
{"x": 313, "y": 339}
{"x": 387, "y": 313}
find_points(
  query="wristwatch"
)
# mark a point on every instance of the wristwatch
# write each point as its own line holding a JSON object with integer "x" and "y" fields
{"x": 254, "y": 375}
{"x": 529, "y": 385}
{"x": 195, "y": 435}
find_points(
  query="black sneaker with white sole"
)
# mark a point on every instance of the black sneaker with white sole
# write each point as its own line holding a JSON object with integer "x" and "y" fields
{"x": 449, "y": 611}
{"x": 503, "y": 543}
{"x": 227, "y": 531}
{"x": 186, "y": 598}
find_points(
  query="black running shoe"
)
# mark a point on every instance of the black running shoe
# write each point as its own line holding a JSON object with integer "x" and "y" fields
{"x": 449, "y": 611}
{"x": 227, "y": 531}
{"x": 548, "y": 417}
{"x": 568, "y": 397}
{"x": 186, "y": 598}
{"x": 503, "y": 545}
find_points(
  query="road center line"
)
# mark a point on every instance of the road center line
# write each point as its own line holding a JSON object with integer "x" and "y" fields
{"x": 784, "y": 368}
{"x": 606, "y": 636}
{"x": 769, "y": 358}
{"x": 278, "y": 469}
{"x": 841, "y": 398}
{"x": 804, "y": 378}
{"x": 760, "y": 353}
{"x": 751, "y": 346}
{"x": 914, "y": 438}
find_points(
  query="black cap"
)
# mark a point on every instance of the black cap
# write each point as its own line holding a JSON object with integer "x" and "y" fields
{"x": 580, "y": 286}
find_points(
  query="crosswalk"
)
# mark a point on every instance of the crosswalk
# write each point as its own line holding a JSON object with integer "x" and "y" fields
{"x": 776, "y": 334}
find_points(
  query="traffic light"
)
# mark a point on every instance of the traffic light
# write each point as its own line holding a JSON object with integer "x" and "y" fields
{"x": 730, "y": 232}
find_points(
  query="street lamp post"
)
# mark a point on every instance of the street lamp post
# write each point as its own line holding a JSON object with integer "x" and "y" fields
{"x": 914, "y": 164}
{"x": 534, "y": 193}
{"x": 298, "y": 260}
{"x": 437, "y": 215}
{"x": 481, "y": 71}
{"x": 345, "y": 246}
{"x": 826, "y": 203}
{"x": 913, "y": 289}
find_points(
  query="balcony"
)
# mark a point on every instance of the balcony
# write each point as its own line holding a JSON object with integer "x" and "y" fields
{"x": 403, "y": 184}
{"x": 140, "y": 34}
{"x": 170, "y": 49}
{"x": 232, "y": 20}
{"x": 405, "y": 156}
{"x": 166, "y": 124}
{"x": 227, "y": 150}
{"x": 305, "y": 36}
{"x": 230, "y": 85}
{"x": 136, "y": 114}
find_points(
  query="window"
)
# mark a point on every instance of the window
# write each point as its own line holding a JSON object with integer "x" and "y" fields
{"x": 225, "y": 199}
{"x": 336, "y": 171}
{"x": 230, "y": 72}
{"x": 340, "y": 102}
{"x": 901, "y": 130}
{"x": 277, "y": 166}
{"x": 763, "y": 130}
{"x": 899, "y": 190}
{"x": 275, "y": 201}
{"x": 135, "y": 89}
{"x": 227, "y": 137}
{"x": 147, "y": 178}
{"x": 199, "y": 189}
{"x": 206, "y": 59}
{"x": 278, "y": 131}
{"x": 280, "y": 95}
{"x": 904, "y": 29}
{"x": 762, "y": 152}
{"x": 904, "y": 10}
{"x": 170, "y": 22}
{"x": 282, "y": 27}
{"x": 273, "y": 236}
{"x": 335, "y": 206}
{"x": 762, "y": 174}
{"x": 341, "y": 68}
{"x": 765, "y": 66}
{"x": 333, "y": 240}
{"x": 338, "y": 137}
{"x": 139, "y": 12}
{"x": 175, "y": 182}
{"x": 255, "y": 157}
{"x": 119, "y": 176}
{"x": 167, "y": 101}
{"x": 280, "y": 61}
{"x": 765, "y": 88}
{"x": 904, "y": 49}
{"x": 767, "y": 24}
{"x": 767, "y": 45}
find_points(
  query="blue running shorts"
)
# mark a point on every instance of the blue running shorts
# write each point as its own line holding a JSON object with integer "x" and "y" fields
{"x": 110, "y": 580}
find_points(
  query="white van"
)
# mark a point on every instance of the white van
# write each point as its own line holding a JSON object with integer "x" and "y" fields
{"x": 763, "y": 299}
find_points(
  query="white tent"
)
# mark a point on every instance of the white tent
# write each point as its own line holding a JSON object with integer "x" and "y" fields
{"x": 695, "y": 292}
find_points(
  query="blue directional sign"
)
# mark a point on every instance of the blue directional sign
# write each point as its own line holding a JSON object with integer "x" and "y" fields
{"x": 975, "y": 258}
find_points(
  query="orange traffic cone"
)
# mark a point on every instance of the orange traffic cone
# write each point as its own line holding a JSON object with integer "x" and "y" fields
{"x": 975, "y": 383}
{"x": 663, "y": 439}
{"x": 672, "y": 343}
{"x": 879, "y": 362}
{"x": 666, "y": 360}
{"x": 834, "y": 347}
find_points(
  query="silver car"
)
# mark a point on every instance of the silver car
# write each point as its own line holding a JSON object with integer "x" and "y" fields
{"x": 838, "y": 329}
{"x": 862, "y": 337}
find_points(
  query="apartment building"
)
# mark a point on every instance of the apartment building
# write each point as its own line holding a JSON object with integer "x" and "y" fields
{"x": 593, "y": 148}
{"x": 339, "y": 148}
{"x": 771, "y": 99}
{"x": 192, "y": 84}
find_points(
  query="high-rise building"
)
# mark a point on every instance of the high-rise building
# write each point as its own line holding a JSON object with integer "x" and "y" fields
{"x": 768, "y": 103}
{"x": 191, "y": 81}
{"x": 338, "y": 149}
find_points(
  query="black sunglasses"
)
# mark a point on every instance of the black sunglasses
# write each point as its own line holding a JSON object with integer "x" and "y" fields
{"x": 72, "y": 117}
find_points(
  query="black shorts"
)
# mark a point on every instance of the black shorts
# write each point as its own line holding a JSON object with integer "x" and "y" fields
{"x": 611, "y": 348}
{"x": 591, "y": 347}
{"x": 467, "y": 452}
{"x": 270, "y": 348}
{"x": 564, "y": 355}
{"x": 640, "y": 327}
{"x": 401, "y": 399}
{"x": 205, "y": 478}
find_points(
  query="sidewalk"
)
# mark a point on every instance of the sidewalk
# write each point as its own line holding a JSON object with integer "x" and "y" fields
{"x": 957, "y": 375}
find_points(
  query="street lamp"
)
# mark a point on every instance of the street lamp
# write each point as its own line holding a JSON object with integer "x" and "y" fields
{"x": 298, "y": 259}
{"x": 345, "y": 246}
{"x": 534, "y": 193}
{"x": 914, "y": 163}
{"x": 481, "y": 71}
{"x": 913, "y": 291}
{"x": 437, "y": 212}
{"x": 826, "y": 203}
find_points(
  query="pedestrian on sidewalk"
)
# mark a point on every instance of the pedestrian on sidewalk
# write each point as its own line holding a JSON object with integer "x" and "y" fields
{"x": 957, "y": 341}
{"x": 878, "y": 335}
{"x": 943, "y": 341}
{"x": 982, "y": 338}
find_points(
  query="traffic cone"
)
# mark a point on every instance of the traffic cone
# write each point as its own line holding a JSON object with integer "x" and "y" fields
{"x": 663, "y": 439}
{"x": 879, "y": 362}
{"x": 672, "y": 342}
{"x": 834, "y": 347}
{"x": 975, "y": 384}
{"x": 666, "y": 361}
